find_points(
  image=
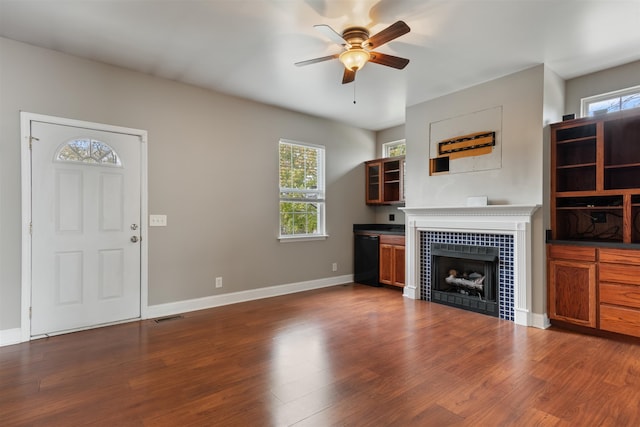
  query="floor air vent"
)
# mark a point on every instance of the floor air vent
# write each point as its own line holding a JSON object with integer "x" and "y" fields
{"x": 166, "y": 319}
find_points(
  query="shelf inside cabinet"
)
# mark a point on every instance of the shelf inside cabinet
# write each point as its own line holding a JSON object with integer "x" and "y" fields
{"x": 589, "y": 202}
{"x": 593, "y": 218}
{"x": 622, "y": 176}
{"x": 576, "y": 178}
{"x": 576, "y": 133}
{"x": 392, "y": 176}
{"x": 576, "y": 153}
{"x": 622, "y": 141}
{"x": 583, "y": 225}
{"x": 577, "y": 165}
{"x": 392, "y": 193}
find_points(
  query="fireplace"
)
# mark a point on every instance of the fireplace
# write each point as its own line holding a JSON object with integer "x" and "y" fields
{"x": 507, "y": 227}
{"x": 465, "y": 276}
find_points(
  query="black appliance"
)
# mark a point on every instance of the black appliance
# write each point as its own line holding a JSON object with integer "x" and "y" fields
{"x": 366, "y": 259}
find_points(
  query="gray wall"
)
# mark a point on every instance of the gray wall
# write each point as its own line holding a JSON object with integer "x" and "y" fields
{"x": 212, "y": 170}
{"x": 609, "y": 80}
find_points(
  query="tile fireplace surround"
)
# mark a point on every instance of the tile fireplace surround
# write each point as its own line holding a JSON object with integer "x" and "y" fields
{"x": 467, "y": 225}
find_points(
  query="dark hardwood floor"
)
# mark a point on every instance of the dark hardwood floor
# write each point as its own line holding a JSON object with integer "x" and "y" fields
{"x": 348, "y": 355}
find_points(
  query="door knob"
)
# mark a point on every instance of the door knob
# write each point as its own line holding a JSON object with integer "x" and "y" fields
{"x": 134, "y": 239}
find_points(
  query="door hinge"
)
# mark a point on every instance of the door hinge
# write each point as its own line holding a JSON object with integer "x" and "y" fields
{"x": 30, "y": 310}
{"x": 31, "y": 139}
{"x": 30, "y": 227}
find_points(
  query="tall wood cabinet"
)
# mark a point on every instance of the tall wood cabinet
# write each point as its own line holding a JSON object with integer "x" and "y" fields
{"x": 593, "y": 253}
{"x": 385, "y": 181}
{"x": 595, "y": 178}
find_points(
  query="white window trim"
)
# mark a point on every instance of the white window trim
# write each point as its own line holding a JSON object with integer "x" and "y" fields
{"x": 302, "y": 238}
{"x": 584, "y": 102}
{"x": 388, "y": 145}
{"x": 322, "y": 235}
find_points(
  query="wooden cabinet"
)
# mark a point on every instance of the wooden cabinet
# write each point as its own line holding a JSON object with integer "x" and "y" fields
{"x": 595, "y": 178}
{"x": 385, "y": 181}
{"x": 619, "y": 286}
{"x": 392, "y": 263}
{"x": 572, "y": 284}
{"x": 597, "y": 287}
{"x": 595, "y": 198}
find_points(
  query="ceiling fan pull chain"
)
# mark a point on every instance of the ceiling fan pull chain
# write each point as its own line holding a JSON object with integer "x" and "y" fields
{"x": 354, "y": 91}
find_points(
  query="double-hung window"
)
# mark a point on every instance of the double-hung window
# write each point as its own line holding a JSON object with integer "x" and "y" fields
{"x": 302, "y": 198}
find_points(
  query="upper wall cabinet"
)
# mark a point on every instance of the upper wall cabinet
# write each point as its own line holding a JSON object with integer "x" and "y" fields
{"x": 385, "y": 181}
{"x": 595, "y": 178}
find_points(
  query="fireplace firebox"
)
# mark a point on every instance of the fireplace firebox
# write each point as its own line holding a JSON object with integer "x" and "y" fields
{"x": 465, "y": 276}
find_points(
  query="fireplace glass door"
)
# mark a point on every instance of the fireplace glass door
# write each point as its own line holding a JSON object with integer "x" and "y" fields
{"x": 465, "y": 276}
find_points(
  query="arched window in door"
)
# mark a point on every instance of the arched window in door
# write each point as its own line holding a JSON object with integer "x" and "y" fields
{"x": 87, "y": 150}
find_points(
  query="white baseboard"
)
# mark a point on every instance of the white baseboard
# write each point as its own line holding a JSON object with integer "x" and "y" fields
{"x": 13, "y": 336}
{"x": 10, "y": 336}
{"x": 169, "y": 309}
{"x": 540, "y": 321}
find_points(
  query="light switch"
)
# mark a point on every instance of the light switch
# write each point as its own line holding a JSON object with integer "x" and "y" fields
{"x": 157, "y": 220}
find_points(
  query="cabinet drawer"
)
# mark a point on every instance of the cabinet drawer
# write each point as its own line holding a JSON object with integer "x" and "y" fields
{"x": 619, "y": 273}
{"x": 390, "y": 239}
{"x": 627, "y": 295}
{"x": 620, "y": 319}
{"x": 620, "y": 256}
{"x": 578, "y": 253}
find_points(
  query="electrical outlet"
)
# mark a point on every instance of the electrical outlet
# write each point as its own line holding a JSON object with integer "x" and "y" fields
{"x": 218, "y": 282}
{"x": 334, "y": 266}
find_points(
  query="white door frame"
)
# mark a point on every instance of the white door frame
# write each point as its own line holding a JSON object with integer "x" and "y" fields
{"x": 25, "y": 139}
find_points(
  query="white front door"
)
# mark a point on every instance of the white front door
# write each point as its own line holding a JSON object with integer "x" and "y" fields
{"x": 86, "y": 217}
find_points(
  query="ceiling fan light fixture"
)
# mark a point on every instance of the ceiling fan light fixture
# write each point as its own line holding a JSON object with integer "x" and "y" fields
{"x": 354, "y": 59}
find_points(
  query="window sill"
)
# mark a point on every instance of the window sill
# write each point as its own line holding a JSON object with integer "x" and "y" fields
{"x": 291, "y": 239}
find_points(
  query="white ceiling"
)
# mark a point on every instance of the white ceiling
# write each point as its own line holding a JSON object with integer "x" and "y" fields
{"x": 247, "y": 48}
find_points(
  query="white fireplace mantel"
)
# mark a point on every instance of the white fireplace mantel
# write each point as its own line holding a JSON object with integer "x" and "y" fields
{"x": 496, "y": 219}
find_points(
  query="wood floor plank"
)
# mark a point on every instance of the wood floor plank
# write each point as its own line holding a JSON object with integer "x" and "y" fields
{"x": 349, "y": 355}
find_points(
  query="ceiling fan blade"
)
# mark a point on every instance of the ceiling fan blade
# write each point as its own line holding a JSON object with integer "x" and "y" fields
{"x": 315, "y": 60}
{"x": 348, "y": 76}
{"x": 388, "y": 60}
{"x": 332, "y": 35}
{"x": 391, "y": 32}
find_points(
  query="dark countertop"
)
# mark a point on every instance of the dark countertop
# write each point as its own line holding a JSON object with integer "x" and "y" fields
{"x": 397, "y": 229}
{"x": 592, "y": 243}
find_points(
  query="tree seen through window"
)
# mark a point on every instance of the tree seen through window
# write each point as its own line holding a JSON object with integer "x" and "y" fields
{"x": 301, "y": 189}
